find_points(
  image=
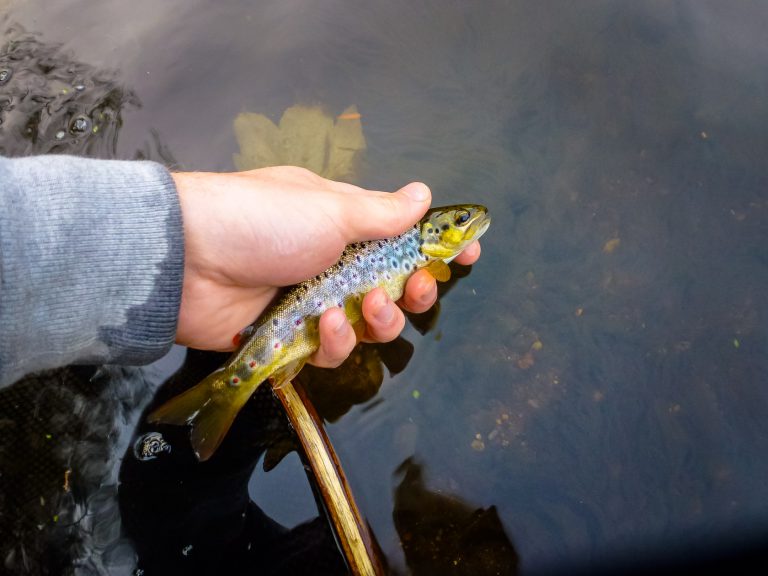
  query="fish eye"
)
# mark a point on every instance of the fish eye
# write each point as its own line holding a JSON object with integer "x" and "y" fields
{"x": 461, "y": 217}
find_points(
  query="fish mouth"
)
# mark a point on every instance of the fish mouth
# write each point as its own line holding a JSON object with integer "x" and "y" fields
{"x": 480, "y": 225}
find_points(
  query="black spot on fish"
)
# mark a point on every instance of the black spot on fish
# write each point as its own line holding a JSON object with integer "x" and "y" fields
{"x": 274, "y": 322}
{"x": 407, "y": 266}
{"x": 445, "y": 227}
{"x": 421, "y": 241}
{"x": 394, "y": 263}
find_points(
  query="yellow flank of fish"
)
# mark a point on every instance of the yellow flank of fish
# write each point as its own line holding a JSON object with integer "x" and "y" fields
{"x": 280, "y": 341}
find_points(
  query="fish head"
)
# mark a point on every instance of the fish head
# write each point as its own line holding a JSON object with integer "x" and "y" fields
{"x": 446, "y": 231}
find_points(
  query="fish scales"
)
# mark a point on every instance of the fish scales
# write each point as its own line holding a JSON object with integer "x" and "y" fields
{"x": 279, "y": 343}
{"x": 291, "y": 330}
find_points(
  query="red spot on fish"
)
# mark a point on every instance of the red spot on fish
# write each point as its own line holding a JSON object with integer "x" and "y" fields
{"x": 235, "y": 380}
{"x": 252, "y": 364}
{"x": 277, "y": 345}
{"x": 298, "y": 321}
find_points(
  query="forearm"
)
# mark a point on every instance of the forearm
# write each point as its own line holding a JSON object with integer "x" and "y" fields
{"x": 91, "y": 263}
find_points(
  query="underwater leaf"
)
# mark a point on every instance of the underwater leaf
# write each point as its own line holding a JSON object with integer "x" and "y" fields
{"x": 346, "y": 143}
{"x": 256, "y": 135}
{"x": 306, "y": 136}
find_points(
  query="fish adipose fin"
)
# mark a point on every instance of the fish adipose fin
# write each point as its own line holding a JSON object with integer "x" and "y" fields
{"x": 207, "y": 409}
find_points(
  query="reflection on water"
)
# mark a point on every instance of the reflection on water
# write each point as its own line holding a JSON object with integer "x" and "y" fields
{"x": 63, "y": 434}
{"x": 599, "y": 377}
{"x": 441, "y": 534}
{"x": 182, "y": 516}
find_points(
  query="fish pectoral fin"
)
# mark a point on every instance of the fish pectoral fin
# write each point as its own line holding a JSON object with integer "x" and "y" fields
{"x": 439, "y": 269}
{"x": 286, "y": 373}
{"x": 207, "y": 409}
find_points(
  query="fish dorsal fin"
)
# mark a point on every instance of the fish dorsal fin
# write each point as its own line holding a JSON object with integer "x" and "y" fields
{"x": 439, "y": 270}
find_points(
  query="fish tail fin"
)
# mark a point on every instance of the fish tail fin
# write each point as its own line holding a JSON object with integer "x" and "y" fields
{"x": 184, "y": 408}
{"x": 207, "y": 409}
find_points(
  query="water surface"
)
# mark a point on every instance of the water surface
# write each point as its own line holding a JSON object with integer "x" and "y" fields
{"x": 599, "y": 376}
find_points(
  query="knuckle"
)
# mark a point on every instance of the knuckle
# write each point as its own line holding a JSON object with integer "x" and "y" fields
{"x": 393, "y": 212}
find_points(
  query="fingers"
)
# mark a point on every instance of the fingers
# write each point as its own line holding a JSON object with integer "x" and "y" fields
{"x": 470, "y": 254}
{"x": 421, "y": 288}
{"x": 383, "y": 319}
{"x": 382, "y": 214}
{"x": 337, "y": 339}
{"x": 420, "y": 292}
{"x": 383, "y": 323}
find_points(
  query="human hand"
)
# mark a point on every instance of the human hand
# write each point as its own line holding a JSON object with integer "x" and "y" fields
{"x": 248, "y": 234}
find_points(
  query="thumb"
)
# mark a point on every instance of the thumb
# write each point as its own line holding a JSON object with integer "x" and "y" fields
{"x": 374, "y": 215}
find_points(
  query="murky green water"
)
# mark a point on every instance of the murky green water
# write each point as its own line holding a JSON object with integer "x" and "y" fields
{"x": 600, "y": 375}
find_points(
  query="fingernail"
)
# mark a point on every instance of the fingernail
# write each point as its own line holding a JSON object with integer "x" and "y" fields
{"x": 417, "y": 191}
{"x": 341, "y": 327}
{"x": 386, "y": 313}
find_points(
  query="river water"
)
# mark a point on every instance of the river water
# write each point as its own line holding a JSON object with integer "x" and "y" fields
{"x": 593, "y": 391}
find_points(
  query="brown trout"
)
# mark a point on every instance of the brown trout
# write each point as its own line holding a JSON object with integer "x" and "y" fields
{"x": 282, "y": 339}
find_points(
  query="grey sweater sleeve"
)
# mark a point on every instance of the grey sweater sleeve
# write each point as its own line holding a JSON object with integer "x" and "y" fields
{"x": 91, "y": 263}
